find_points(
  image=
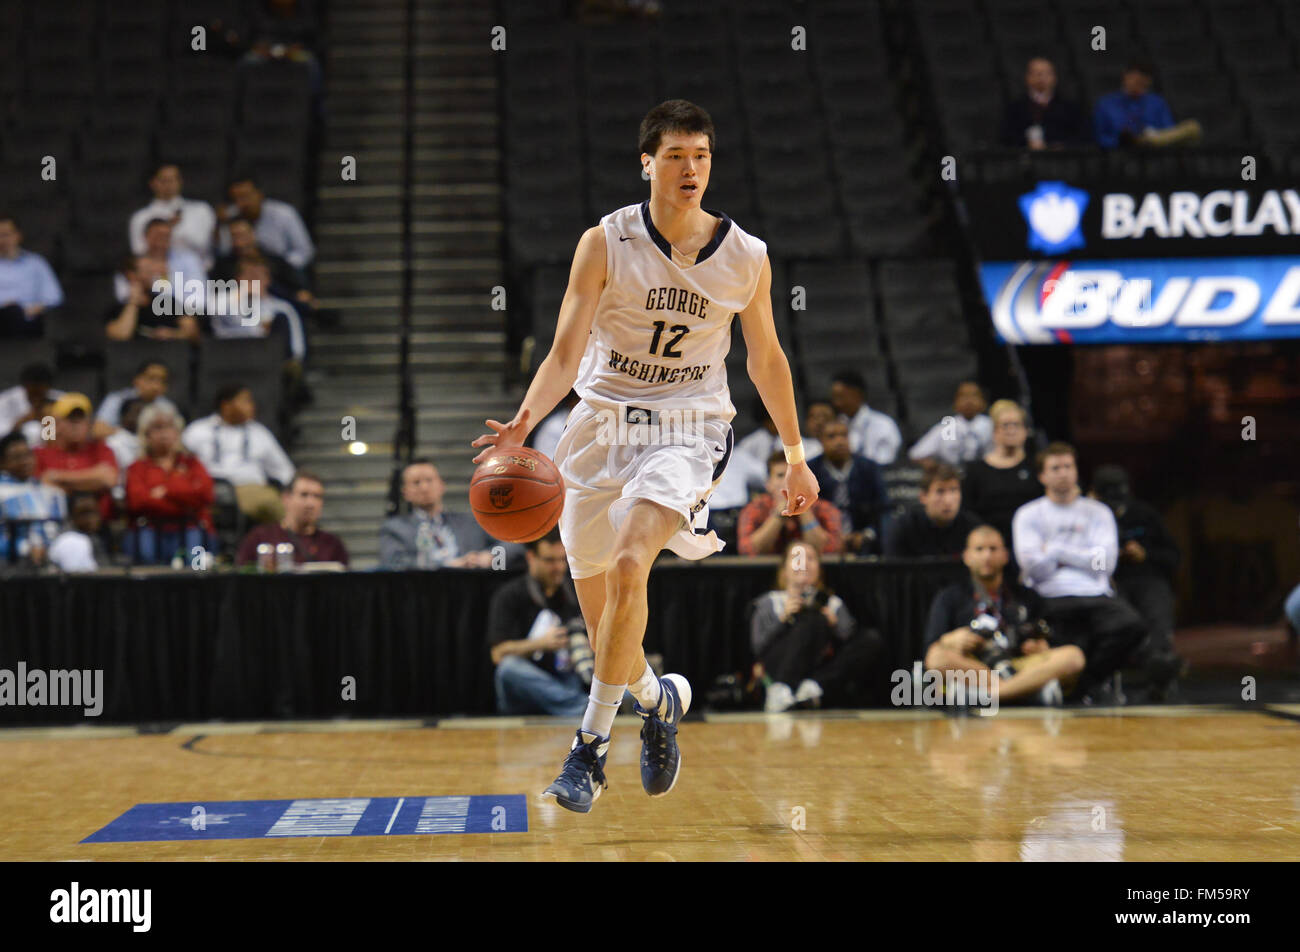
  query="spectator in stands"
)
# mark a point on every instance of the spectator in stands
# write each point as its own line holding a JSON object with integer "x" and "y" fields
{"x": 1144, "y": 575}
{"x": 742, "y": 477}
{"x": 79, "y": 548}
{"x": 233, "y": 446}
{"x": 535, "y": 630}
{"x": 853, "y": 484}
{"x": 871, "y": 433}
{"x": 938, "y": 526}
{"x": 183, "y": 271}
{"x": 1040, "y": 119}
{"x": 962, "y": 437}
{"x": 285, "y": 31}
{"x": 430, "y": 537}
{"x": 287, "y": 281}
{"x": 1003, "y": 480}
{"x": 763, "y": 442}
{"x": 277, "y": 224}
{"x": 802, "y": 634}
{"x": 122, "y": 440}
{"x": 820, "y": 412}
{"x": 256, "y": 313}
{"x": 31, "y": 512}
{"x": 149, "y": 385}
{"x": 27, "y": 284}
{"x": 144, "y": 313}
{"x": 74, "y": 461}
{"x": 304, "y": 498}
{"x": 1136, "y": 116}
{"x": 762, "y": 530}
{"x": 547, "y": 435}
{"x": 990, "y": 622}
{"x": 193, "y": 222}
{"x": 1067, "y": 545}
{"x": 169, "y": 493}
{"x": 29, "y": 400}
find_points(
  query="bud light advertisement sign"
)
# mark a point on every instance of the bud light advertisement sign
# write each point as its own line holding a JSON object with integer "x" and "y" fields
{"x": 1141, "y": 300}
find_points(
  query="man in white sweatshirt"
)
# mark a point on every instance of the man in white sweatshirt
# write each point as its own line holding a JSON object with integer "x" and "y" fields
{"x": 1067, "y": 546}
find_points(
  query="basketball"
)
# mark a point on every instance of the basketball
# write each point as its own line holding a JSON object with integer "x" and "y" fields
{"x": 517, "y": 494}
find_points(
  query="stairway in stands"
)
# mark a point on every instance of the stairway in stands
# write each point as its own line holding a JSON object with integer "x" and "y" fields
{"x": 458, "y": 343}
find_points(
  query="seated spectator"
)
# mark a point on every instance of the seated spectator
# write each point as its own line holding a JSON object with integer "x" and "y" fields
{"x": 31, "y": 512}
{"x": 74, "y": 461}
{"x": 762, "y": 530}
{"x": 284, "y": 31}
{"x": 286, "y": 281}
{"x": 27, "y": 284}
{"x": 988, "y": 622}
{"x": 938, "y": 526}
{"x": 1144, "y": 575}
{"x": 547, "y": 435}
{"x": 1136, "y": 116}
{"x": 962, "y": 437}
{"x": 164, "y": 266}
{"x": 1066, "y": 545}
{"x": 304, "y": 498}
{"x": 193, "y": 222}
{"x": 853, "y": 484}
{"x": 149, "y": 385}
{"x": 430, "y": 537}
{"x": 820, "y": 412}
{"x": 763, "y": 442}
{"x": 122, "y": 440}
{"x": 233, "y": 446}
{"x": 256, "y": 314}
{"x": 277, "y": 224}
{"x": 1040, "y": 119}
{"x": 145, "y": 314}
{"x": 169, "y": 494}
{"x": 742, "y": 477}
{"x": 536, "y": 633}
{"x": 28, "y": 401}
{"x": 1003, "y": 480}
{"x": 872, "y": 434}
{"x": 802, "y": 634}
{"x": 79, "y": 548}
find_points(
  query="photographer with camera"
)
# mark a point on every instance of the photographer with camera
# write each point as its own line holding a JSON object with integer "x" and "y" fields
{"x": 990, "y": 623}
{"x": 803, "y": 634}
{"x": 543, "y": 659}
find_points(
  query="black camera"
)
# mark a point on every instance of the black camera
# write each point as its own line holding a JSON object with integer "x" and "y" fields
{"x": 815, "y": 598}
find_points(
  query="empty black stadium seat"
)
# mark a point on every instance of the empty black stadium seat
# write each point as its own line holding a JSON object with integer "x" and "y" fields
{"x": 17, "y": 354}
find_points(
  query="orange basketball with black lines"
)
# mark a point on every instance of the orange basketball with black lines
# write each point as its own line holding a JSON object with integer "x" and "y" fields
{"x": 517, "y": 494}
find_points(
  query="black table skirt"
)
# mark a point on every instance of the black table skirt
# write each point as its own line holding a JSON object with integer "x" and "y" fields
{"x": 190, "y": 646}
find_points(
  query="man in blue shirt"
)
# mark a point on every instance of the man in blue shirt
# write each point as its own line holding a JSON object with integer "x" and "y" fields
{"x": 1123, "y": 118}
{"x": 27, "y": 284}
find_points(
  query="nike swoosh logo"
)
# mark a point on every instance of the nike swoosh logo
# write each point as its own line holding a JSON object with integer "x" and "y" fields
{"x": 621, "y": 238}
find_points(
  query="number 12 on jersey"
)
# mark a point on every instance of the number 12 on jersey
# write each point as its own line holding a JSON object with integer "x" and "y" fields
{"x": 670, "y": 347}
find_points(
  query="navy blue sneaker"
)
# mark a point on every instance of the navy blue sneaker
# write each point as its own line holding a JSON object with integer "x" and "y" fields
{"x": 582, "y": 777}
{"x": 661, "y": 761}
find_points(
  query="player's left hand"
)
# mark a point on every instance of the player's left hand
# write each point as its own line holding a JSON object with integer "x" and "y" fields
{"x": 800, "y": 490}
{"x": 507, "y": 434}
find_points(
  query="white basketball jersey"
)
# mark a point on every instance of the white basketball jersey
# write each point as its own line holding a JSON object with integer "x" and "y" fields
{"x": 662, "y": 328}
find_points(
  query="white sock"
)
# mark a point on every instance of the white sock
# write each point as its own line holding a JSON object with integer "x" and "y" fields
{"x": 646, "y": 689}
{"x": 601, "y": 708}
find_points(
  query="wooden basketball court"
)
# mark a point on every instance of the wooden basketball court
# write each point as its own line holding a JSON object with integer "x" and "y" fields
{"x": 1138, "y": 784}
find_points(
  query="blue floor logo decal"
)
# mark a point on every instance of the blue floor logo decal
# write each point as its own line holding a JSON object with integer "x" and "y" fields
{"x": 351, "y": 816}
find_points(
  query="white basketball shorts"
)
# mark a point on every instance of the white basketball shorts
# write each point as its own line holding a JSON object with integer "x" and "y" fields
{"x": 607, "y": 466}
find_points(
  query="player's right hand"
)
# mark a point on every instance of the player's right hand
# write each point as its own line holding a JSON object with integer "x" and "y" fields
{"x": 506, "y": 434}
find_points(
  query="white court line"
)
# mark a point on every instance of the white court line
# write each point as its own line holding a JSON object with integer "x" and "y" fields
{"x": 396, "y": 809}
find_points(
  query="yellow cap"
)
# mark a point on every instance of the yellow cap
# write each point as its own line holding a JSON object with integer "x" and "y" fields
{"x": 69, "y": 402}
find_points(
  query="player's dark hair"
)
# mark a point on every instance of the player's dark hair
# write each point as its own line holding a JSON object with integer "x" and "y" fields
{"x": 985, "y": 527}
{"x": 552, "y": 537}
{"x": 304, "y": 474}
{"x": 673, "y": 115}
{"x": 940, "y": 474}
{"x": 146, "y": 364}
{"x": 1055, "y": 449}
{"x": 160, "y": 165}
{"x": 1140, "y": 65}
{"x": 240, "y": 176}
{"x": 851, "y": 378}
{"x": 227, "y": 393}
{"x": 6, "y": 215}
{"x": 37, "y": 373}
{"x": 777, "y": 457}
{"x": 156, "y": 221}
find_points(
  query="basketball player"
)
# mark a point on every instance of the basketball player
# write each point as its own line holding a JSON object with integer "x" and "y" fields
{"x": 643, "y": 331}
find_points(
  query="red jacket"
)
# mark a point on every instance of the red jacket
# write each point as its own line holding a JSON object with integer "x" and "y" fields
{"x": 757, "y": 512}
{"x": 189, "y": 491}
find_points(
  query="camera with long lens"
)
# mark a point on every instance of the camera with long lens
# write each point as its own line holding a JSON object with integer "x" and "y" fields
{"x": 1003, "y": 639}
{"x": 580, "y": 654}
{"x": 814, "y": 598}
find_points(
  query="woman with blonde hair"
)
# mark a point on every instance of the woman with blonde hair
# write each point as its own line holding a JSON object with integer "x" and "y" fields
{"x": 1004, "y": 479}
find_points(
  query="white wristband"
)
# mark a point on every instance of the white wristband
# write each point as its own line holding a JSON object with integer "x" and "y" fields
{"x": 794, "y": 454}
